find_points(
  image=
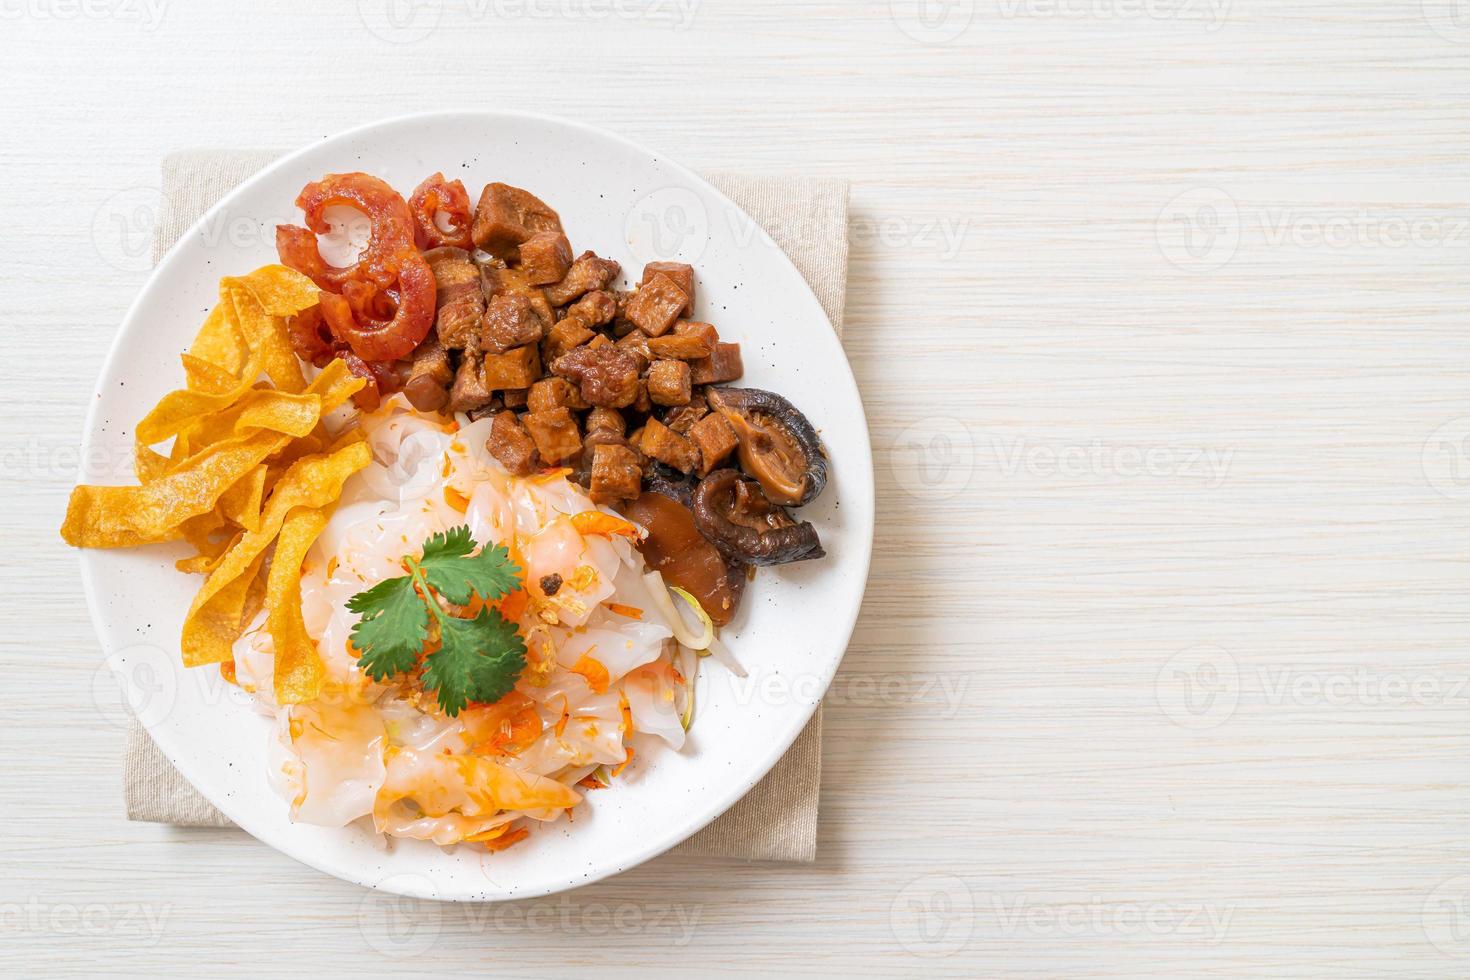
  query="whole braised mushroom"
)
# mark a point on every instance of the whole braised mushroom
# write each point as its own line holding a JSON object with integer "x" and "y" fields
{"x": 778, "y": 446}
{"x": 685, "y": 557}
{"x": 742, "y": 522}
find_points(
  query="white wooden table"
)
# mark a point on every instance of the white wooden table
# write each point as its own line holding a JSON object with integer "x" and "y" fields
{"x": 1159, "y": 310}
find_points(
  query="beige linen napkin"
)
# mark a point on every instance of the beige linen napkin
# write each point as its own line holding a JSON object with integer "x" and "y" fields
{"x": 807, "y": 217}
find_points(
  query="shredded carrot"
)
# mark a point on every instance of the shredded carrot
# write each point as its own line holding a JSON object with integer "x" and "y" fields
{"x": 632, "y": 612}
{"x": 451, "y": 426}
{"x": 596, "y": 522}
{"x": 331, "y": 566}
{"x": 447, "y": 466}
{"x": 457, "y": 500}
{"x": 566, "y": 712}
{"x": 588, "y": 782}
{"x": 624, "y": 764}
{"x": 627, "y": 713}
{"x": 506, "y": 840}
{"x": 227, "y": 671}
{"x": 546, "y": 476}
{"x": 596, "y": 674}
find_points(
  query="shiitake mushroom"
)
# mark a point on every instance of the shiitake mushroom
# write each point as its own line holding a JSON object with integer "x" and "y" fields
{"x": 778, "y": 446}
{"x": 733, "y": 512}
{"x": 677, "y": 550}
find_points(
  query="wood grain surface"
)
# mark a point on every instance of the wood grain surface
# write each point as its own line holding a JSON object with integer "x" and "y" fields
{"x": 1159, "y": 312}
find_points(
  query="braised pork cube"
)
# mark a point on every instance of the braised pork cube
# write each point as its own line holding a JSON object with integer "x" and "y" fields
{"x": 606, "y": 420}
{"x": 715, "y": 439}
{"x": 469, "y": 391}
{"x": 429, "y": 376}
{"x": 587, "y": 273}
{"x": 509, "y": 321}
{"x": 460, "y": 301}
{"x": 622, "y": 326}
{"x": 496, "y": 279}
{"x": 595, "y": 309}
{"x": 722, "y": 365}
{"x": 681, "y": 418}
{"x": 656, "y": 306}
{"x": 545, "y": 257}
{"x": 549, "y": 393}
{"x": 617, "y": 473}
{"x": 512, "y": 445}
{"x": 691, "y": 340}
{"x": 555, "y": 433}
{"x": 516, "y": 368}
{"x": 561, "y": 338}
{"x": 515, "y": 397}
{"x": 662, "y": 443}
{"x": 608, "y": 375}
{"x": 681, "y": 273}
{"x": 668, "y": 382}
{"x": 641, "y": 402}
{"x": 636, "y": 343}
{"x": 507, "y": 216}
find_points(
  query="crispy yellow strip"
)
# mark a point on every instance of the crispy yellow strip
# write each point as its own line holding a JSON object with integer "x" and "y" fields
{"x": 240, "y": 505}
{"x": 279, "y": 291}
{"x": 179, "y": 410}
{"x": 315, "y": 481}
{"x": 270, "y": 347}
{"x": 124, "y": 517}
{"x": 219, "y": 341}
{"x": 299, "y": 671}
{"x": 206, "y": 376}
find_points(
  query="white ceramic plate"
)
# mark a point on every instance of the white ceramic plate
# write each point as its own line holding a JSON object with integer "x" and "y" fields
{"x": 619, "y": 200}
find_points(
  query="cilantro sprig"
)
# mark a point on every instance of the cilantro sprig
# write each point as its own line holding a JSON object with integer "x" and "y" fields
{"x": 478, "y": 659}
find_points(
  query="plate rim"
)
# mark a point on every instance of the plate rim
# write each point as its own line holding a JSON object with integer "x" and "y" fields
{"x": 864, "y": 467}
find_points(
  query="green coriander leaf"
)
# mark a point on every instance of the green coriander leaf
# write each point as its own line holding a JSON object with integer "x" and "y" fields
{"x": 458, "y": 577}
{"x": 479, "y": 660}
{"x": 393, "y": 629}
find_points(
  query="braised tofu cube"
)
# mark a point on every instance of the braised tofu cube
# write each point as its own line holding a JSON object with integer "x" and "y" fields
{"x": 691, "y": 345}
{"x": 509, "y": 321}
{"x": 668, "y": 447}
{"x": 469, "y": 390}
{"x": 511, "y": 445}
{"x": 617, "y": 473}
{"x": 715, "y": 439}
{"x": 668, "y": 382}
{"x": 496, "y": 279}
{"x": 681, "y": 273}
{"x": 641, "y": 402}
{"x": 722, "y": 365}
{"x": 545, "y": 257}
{"x": 588, "y": 272}
{"x": 656, "y": 306}
{"x": 555, "y": 433}
{"x": 516, "y": 368}
{"x": 549, "y": 393}
{"x": 566, "y": 335}
{"x": 507, "y": 216}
